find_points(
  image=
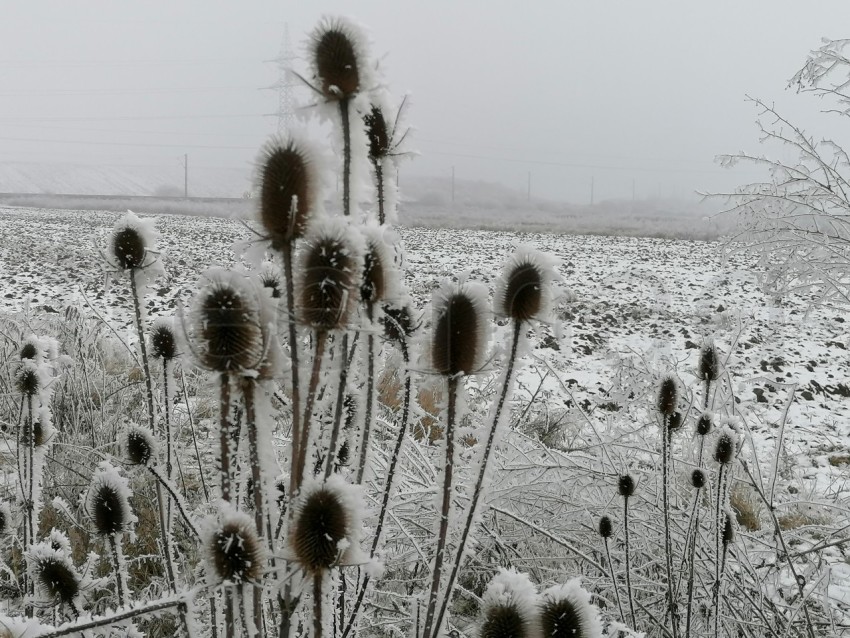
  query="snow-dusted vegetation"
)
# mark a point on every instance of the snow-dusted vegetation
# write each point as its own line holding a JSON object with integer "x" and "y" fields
{"x": 309, "y": 423}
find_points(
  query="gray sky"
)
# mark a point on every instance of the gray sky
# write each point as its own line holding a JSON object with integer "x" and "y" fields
{"x": 619, "y": 92}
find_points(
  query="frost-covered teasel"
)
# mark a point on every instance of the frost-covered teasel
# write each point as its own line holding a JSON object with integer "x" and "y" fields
{"x": 709, "y": 363}
{"x": 338, "y": 54}
{"x": 54, "y": 574}
{"x": 698, "y": 479}
{"x": 58, "y": 540}
{"x": 606, "y": 527}
{"x": 509, "y": 607}
{"x": 704, "y": 423}
{"x": 107, "y": 501}
{"x": 139, "y": 445}
{"x": 726, "y": 446}
{"x": 566, "y": 612}
{"x": 524, "y": 289}
{"x": 234, "y": 551}
{"x": 379, "y": 275}
{"x": 460, "y": 329}
{"x": 132, "y": 244}
{"x": 29, "y": 378}
{"x": 668, "y": 396}
{"x": 163, "y": 339}
{"x": 626, "y": 485}
{"x": 398, "y": 321}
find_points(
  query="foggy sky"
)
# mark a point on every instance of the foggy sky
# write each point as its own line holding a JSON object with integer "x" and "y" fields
{"x": 624, "y": 93}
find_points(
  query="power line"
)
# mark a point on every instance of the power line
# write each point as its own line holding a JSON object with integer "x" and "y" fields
{"x": 139, "y": 144}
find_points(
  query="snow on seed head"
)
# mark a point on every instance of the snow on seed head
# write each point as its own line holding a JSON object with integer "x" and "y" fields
{"x": 460, "y": 329}
{"x": 289, "y": 184}
{"x": 378, "y": 275}
{"x": 704, "y": 424}
{"x": 626, "y": 485}
{"x": 698, "y": 479}
{"x": 132, "y": 243}
{"x": 163, "y": 340}
{"x": 509, "y": 607}
{"x": 675, "y": 421}
{"x": 108, "y": 501}
{"x": 337, "y": 51}
{"x": 377, "y": 133}
{"x": 566, "y": 612}
{"x": 668, "y": 396}
{"x": 726, "y": 447}
{"x": 606, "y": 527}
{"x": 524, "y": 289}
{"x": 54, "y": 573}
{"x": 330, "y": 267}
{"x": 139, "y": 445}
{"x": 28, "y": 378}
{"x": 709, "y": 363}
{"x": 234, "y": 551}
{"x": 398, "y": 322}
{"x": 58, "y": 540}
{"x": 728, "y": 529}
{"x": 326, "y": 524}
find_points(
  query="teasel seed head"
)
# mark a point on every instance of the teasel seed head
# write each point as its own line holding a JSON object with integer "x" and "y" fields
{"x": 227, "y": 331}
{"x": 709, "y": 363}
{"x": 5, "y": 518}
{"x": 235, "y": 552}
{"x": 726, "y": 447}
{"x": 326, "y": 520}
{"x": 626, "y": 485}
{"x": 337, "y": 55}
{"x": 675, "y": 421}
{"x": 509, "y": 607}
{"x": 108, "y": 501}
{"x": 606, "y": 527}
{"x": 668, "y": 396}
{"x": 54, "y": 573}
{"x": 460, "y": 331}
{"x": 698, "y": 479}
{"x": 728, "y": 530}
{"x": 331, "y": 265}
{"x": 42, "y": 431}
{"x": 28, "y": 381}
{"x": 566, "y": 612}
{"x": 524, "y": 288}
{"x": 378, "y": 274}
{"x": 398, "y": 322}
{"x": 704, "y": 424}
{"x": 163, "y": 340}
{"x": 59, "y": 541}
{"x": 139, "y": 445}
{"x": 377, "y": 133}
{"x": 289, "y": 183}
{"x": 29, "y": 350}
{"x": 132, "y": 243}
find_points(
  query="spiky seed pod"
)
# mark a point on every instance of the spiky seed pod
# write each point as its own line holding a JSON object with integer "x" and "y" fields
{"x": 29, "y": 350}
{"x": 606, "y": 527}
{"x": 324, "y": 524}
{"x": 5, "y": 518}
{"x": 728, "y": 530}
{"x": 524, "y": 288}
{"x": 330, "y": 267}
{"x": 108, "y": 501}
{"x": 41, "y": 434}
{"x": 27, "y": 378}
{"x": 54, "y": 573}
{"x": 709, "y": 363}
{"x": 460, "y": 329}
{"x": 704, "y": 424}
{"x": 128, "y": 248}
{"x": 377, "y": 133}
{"x": 163, "y": 339}
{"x": 668, "y": 396}
{"x": 725, "y": 450}
{"x": 566, "y": 612}
{"x": 288, "y": 183}
{"x": 139, "y": 445}
{"x": 336, "y": 58}
{"x": 675, "y": 421}
{"x": 509, "y": 607}
{"x": 626, "y": 485}
{"x": 59, "y": 541}
{"x": 698, "y": 479}
{"x": 226, "y": 332}
{"x": 374, "y": 282}
{"x": 398, "y": 322}
{"x": 234, "y": 550}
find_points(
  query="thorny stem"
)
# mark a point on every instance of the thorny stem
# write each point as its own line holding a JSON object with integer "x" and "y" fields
{"x": 666, "y": 463}
{"x": 370, "y": 392}
{"x": 115, "y": 619}
{"x": 317, "y": 605}
{"x": 346, "y": 157}
{"x": 119, "y": 568}
{"x": 444, "y": 510}
{"x": 137, "y": 306}
{"x": 321, "y": 338}
{"x": 614, "y": 580}
{"x": 286, "y": 251}
{"x": 718, "y": 539}
{"x": 379, "y": 185}
{"x": 195, "y": 440}
{"x": 628, "y": 561}
{"x": 402, "y": 431}
{"x": 256, "y": 475}
{"x": 224, "y": 436}
{"x": 31, "y": 468}
{"x": 164, "y": 506}
{"x": 340, "y": 400}
{"x": 691, "y": 557}
{"x": 229, "y": 622}
{"x": 175, "y": 498}
{"x": 479, "y": 484}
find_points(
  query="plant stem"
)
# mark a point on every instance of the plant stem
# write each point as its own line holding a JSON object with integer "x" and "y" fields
{"x": 379, "y": 186}
{"x": 137, "y": 305}
{"x": 340, "y": 400}
{"x": 666, "y": 463}
{"x": 691, "y": 558}
{"x": 718, "y": 541}
{"x": 194, "y": 439}
{"x": 443, "y": 533}
{"x": 114, "y": 619}
{"x": 287, "y": 255}
{"x": 224, "y": 435}
{"x": 301, "y": 460}
{"x": 370, "y": 395}
{"x": 175, "y": 498}
{"x": 614, "y": 580}
{"x": 259, "y": 491}
{"x": 317, "y": 605}
{"x": 346, "y": 156}
{"x": 119, "y": 568}
{"x": 628, "y": 562}
{"x": 479, "y": 484}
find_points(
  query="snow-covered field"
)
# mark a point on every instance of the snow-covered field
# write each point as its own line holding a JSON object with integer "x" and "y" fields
{"x": 632, "y": 310}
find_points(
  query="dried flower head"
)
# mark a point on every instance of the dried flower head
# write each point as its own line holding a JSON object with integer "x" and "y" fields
{"x": 378, "y": 275}
{"x": 234, "y": 551}
{"x": 524, "y": 289}
{"x": 325, "y": 523}
{"x": 709, "y": 363}
{"x": 227, "y": 329}
{"x": 726, "y": 447}
{"x": 606, "y": 527}
{"x": 28, "y": 378}
{"x": 108, "y": 501}
{"x": 30, "y": 349}
{"x": 566, "y": 612}
{"x": 139, "y": 445}
{"x": 289, "y": 184}
{"x": 704, "y": 424}
{"x": 338, "y": 57}
{"x": 132, "y": 244}
{"x": 675, "y": 421}
{"x": 668, "y": 396}
{"x": 728, "y": 530}
{"x": 460, "y": 331}
{"x": 377, "y": 133}
{"x": 698, "y": 479}
{"x": 626, "y": 485}
{"x": 509, "y": 607}
{"x": 54, "y": 573}
{"x": 163, "y": 339}
{"x": 330, "y": 267}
